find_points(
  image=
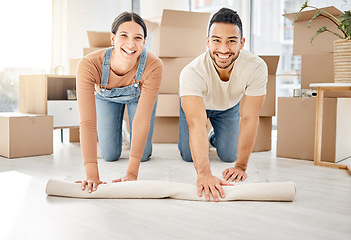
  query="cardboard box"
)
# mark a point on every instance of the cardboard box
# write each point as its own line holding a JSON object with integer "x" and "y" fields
{"x": 99, "y": 39}
{"x": 167, "y": 105}
{"x": 171, "y": 71}
{"x": 74, "y": 135}
{"x": 166, "y": 130}
{"x": 319, "y": 68}
{"x": 86, "y": 51}
{"x": 268, "y": 108}
{"x": 171, "y": 37}
{"x": 73, "y": 63}
{"x": 296, "y": 128}
{"x": 323, "y": 43}
{"x": 24, "y": 135}
{"x": 264, "y": 135}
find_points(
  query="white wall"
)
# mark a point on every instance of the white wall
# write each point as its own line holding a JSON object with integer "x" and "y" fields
{"x": 25, "y": 40}
{"x": 73, "y": 18}
{"x": 242, "y": 7}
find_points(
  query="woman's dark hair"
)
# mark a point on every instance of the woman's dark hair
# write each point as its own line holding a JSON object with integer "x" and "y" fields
{"x": 226, "y": 15}
{"x": 128, "y": 17}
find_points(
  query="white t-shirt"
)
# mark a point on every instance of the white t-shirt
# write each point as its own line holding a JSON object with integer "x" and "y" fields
{"x": 200, "y": 78}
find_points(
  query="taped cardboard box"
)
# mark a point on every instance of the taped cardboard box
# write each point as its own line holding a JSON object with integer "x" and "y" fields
{"x": 171, "y": 71}
{"x": 169, "y": 37}
{"x": 25, "y": 135}
{"x": 264, "y": 135}
{"x": 268, "y": 108}
{"x": 296, "y": 128}
{"x": 319, "y": 68}
{"x": 166, "y": 130}
{"x": 303, "y": 34}
{"x": 167, "y": 105}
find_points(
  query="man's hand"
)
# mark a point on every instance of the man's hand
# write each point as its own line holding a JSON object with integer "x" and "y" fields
{"x": 126, "y": 178}
{"x": 234, "y": 173}
{"x": 211, "y": 185}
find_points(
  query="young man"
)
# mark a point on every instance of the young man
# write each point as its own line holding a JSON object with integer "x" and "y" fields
{"x": 211, "y": 87}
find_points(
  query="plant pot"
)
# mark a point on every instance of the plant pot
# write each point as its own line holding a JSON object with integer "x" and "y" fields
{"x": 342, "y": 61}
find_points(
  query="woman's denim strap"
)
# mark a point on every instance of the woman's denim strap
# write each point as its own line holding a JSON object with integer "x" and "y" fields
{"x": 141, "y": 66}
{"x": 106, "y": 67}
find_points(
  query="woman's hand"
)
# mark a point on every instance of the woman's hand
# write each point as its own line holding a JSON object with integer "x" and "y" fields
{"x": 127, "y": 177}
{"x": 91, "y": 185}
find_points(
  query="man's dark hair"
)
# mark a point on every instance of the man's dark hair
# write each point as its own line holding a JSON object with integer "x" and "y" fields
{"x": 226, "y": 15}
{"x": 128, "y": 17}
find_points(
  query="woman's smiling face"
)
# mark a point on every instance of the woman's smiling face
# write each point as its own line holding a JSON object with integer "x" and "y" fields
{"x": 128, "y": 41}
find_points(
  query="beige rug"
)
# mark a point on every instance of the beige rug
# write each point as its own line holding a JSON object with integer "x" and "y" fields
{"x": 165, "y": 166}
{"x": 282, "y": 191}
{"x": 166, "y": 175}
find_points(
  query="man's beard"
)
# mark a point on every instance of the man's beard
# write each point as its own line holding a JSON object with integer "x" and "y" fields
{"x": 214, "y": 60}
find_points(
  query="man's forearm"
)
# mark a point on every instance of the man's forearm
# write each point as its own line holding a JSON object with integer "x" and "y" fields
{"x": 195, "y": 112}
{"x": 247, "y": 137}
{"x": 199, "y": 148}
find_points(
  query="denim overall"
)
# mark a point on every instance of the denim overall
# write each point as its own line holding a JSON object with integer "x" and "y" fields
{"x": 110, "y": 105}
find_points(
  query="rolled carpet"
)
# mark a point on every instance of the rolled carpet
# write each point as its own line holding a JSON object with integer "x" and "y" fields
{"x": 273, "y": 191}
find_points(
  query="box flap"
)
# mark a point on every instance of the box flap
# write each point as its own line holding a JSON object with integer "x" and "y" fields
{"x": 184, "y": 19}
{"x": 303, "y": 34}
{"x": 272, "y": 63}
{"x": 150, "y": 25}
{"x": 154, "y": 19}
{"x": 307, "y": 15}
{"x": 99, "y": 39}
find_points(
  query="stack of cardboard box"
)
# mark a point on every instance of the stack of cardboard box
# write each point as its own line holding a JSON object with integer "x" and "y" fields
{"x": 296, "y": 116}
{"x": 264, "y": 133}
{"x": 177, "y": 39}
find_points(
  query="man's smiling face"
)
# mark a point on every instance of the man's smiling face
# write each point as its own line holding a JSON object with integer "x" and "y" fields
{"x": 224, "y": 43}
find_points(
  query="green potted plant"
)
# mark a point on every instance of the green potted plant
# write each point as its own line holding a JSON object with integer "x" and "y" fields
{"x": 342, "y": 46}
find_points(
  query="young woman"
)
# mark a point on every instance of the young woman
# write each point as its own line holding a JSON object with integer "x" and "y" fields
{"x": 107, "y": 81}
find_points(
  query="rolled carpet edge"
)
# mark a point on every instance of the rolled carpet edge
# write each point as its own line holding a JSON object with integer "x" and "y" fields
{"x": 272, "y": 191}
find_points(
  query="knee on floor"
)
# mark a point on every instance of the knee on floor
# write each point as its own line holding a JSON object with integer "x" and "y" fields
{"x": 111, "y": 157}
{"x": 228, "y": 158}
{"x": 187, "y": 158}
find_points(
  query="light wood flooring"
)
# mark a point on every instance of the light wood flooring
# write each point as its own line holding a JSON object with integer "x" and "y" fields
{"x": 321, "y": 210}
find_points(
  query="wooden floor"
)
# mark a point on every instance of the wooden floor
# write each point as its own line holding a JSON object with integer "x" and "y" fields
{"x": 321, "y": 210}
